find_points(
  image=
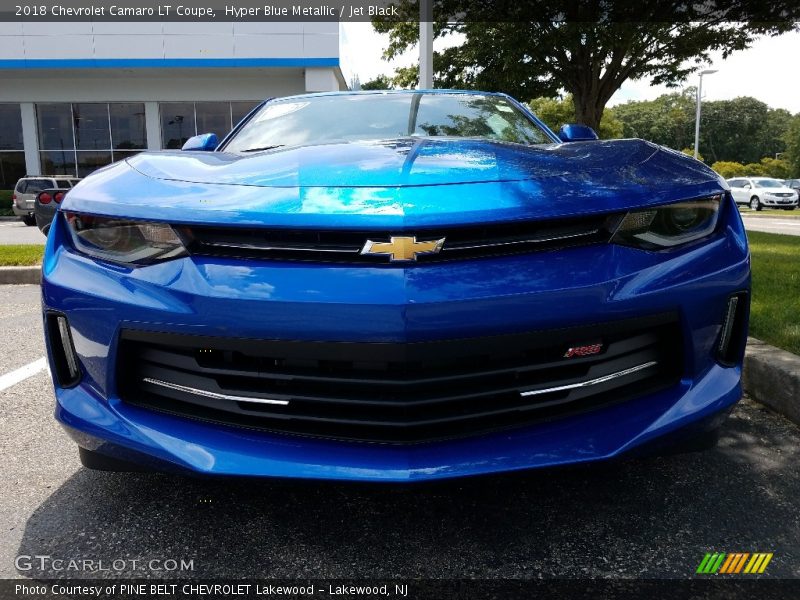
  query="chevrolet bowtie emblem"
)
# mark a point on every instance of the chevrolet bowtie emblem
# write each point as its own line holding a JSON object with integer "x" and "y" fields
{"x": 402, "y": 248}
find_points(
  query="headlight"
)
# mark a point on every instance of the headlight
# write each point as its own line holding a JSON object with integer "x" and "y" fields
{"x": 120, "y": 241}
{"x": 668, "y": 226}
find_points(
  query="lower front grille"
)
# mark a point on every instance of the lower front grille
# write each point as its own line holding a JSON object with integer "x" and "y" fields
{"x": 399, "y": 393}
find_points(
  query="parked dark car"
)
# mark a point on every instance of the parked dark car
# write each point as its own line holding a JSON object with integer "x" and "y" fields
{"x": 22, "y": 201}
{"x": 46, "y": 205}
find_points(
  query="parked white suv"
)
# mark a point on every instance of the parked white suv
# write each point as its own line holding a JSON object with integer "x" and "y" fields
{"x": 22, "y": 201}
{"x": 758, "y": 192}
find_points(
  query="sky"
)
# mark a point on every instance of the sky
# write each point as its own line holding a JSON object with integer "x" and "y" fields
{"x": 766, "y": 71}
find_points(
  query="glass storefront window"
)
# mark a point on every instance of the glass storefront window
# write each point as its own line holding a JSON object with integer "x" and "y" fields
{"x": 128, "y": 126}
{"x": 177, "y": 123}
{"x": 91, "y": 161}
{"x": 11, "y": 129}
{"x": 92, "y": 130}
{"x": 58, "y": 162}
{"x": 123, "y": 154}
{"x": 182, "y": 120}
{"x": 55, "y": 126}
{"x": 213, "y": 117}
{"x": 76, "y": 139}
{"x": 12, "y": 167}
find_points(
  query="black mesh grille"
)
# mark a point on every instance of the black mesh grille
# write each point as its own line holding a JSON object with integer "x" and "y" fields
{"x": 397, "y": 393}
{"x": 346, "y": 245}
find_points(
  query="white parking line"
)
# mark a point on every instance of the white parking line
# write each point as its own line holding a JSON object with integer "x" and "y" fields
{"x": 21, "y": 374}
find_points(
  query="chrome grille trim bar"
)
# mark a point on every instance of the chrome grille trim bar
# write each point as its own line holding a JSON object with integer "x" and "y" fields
{"x": 214, "y": 395}
{"x": 542, "y": 240}
{"x": 591, "y": 382}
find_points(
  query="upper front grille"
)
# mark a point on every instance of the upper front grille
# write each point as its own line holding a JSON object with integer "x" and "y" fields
{"x": 334, "y": 245}
{"x": 398, "y": 393}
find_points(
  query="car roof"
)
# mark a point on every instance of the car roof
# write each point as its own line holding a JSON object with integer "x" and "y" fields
{"x": 387, "y": 92}
{"x": 49, "y": 177}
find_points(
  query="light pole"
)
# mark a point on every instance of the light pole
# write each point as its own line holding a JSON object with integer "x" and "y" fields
{"x": 425, "y": 44}
{"x": 697, "y": 115}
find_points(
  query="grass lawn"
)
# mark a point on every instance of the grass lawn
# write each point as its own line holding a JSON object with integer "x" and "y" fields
{"x": 21, "y": 255}
{"x": 775, "y": 312}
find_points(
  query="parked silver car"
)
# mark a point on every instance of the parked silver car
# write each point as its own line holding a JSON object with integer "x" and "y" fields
{"x": 758, "y": 192}
{"x": 24, "y": 197}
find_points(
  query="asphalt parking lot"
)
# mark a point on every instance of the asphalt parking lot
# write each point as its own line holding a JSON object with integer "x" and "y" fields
{"x": 785, "y": 225}
{"x": 14, "y": 231}
{"x": 652, "y": 517}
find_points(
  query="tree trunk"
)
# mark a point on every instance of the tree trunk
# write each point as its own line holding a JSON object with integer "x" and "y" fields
{"x": 588, "y": 108}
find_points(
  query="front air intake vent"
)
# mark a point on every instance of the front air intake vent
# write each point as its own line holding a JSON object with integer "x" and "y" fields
{"x": 399, "y": 392}
{"x": 65, "y": 360}
{"x": 733, "y": 333}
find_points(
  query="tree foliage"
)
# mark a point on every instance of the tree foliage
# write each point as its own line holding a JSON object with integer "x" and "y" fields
{"x": 728, "y": 169}
{"x": 381, "y": 82}
{"x": 544, "y": 46}
{"x": 555, "y": 112}
{"x": 742, "y": 130}
{"x": 668, "y": 120}
{"x": 766, "y": 167}
{"x": 792, "y": 140}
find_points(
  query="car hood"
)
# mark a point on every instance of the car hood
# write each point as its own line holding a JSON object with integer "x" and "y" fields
{"x": 777, "y": 190}
{"x": 394, "y": 183}
{"x": 394, "y": 163}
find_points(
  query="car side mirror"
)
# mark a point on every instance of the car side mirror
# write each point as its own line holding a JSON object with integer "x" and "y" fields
{"x": 747, "y": 186}
{"x": 575, "y": 132}
{"x": 205, "y": 142}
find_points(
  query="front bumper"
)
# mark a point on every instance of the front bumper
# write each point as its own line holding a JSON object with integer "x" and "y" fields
{"x": 292, "y": 301}
{"x": 779, "y": 202}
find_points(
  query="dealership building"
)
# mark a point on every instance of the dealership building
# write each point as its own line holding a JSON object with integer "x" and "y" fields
{"x": 77, "y": 96}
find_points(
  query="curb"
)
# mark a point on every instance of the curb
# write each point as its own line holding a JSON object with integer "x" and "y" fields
{"x": 20, "y": 275}
{"x": 772, "y": 377}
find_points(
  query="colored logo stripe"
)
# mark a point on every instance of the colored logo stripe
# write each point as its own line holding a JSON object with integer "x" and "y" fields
{"x": 720, "y": 562}
{"x": 711, "y": 563}
{"x": 758, "y": 563}
{"x": 734, "y": 562}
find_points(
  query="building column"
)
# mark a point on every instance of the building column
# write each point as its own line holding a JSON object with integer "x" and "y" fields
{"x": 30, "y": 140}
{"x": 321, "y": 80}
{"x": 152, "y": 123}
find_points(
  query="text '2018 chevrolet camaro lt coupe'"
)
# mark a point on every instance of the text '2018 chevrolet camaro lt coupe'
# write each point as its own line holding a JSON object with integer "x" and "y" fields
{"x": 394, "y": 286}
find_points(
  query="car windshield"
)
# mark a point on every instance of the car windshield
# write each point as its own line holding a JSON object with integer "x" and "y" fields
{"x": 768, "y": 183}
{"x": 349, "y": 117}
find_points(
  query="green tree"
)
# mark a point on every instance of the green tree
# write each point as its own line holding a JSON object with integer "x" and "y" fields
{"x": 668, "y": 120}
{"x": 381, "y": 82}
{"x": 543, "y": 46}
{"x": 755, "y": 170}
{"x": 729, "y": 169}
{"x": 690, "y": 152}
{"x": 740, "y": 130}
{"x": 792, "y": 140}
{"x": 743, "y": 129}
{"x": 776, "y": 167}
{"x": 555, "y": 112}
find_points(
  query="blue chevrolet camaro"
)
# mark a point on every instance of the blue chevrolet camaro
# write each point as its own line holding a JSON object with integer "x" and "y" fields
{"x": 394, "y": 286}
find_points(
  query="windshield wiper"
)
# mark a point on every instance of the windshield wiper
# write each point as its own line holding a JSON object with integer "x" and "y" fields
{"x": 263, "y": 148}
